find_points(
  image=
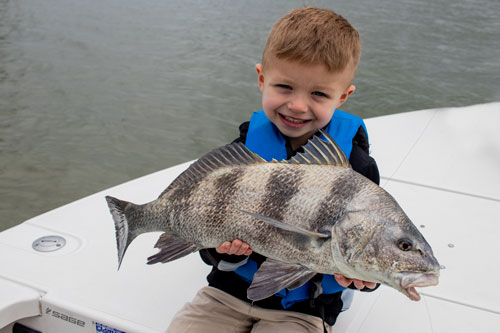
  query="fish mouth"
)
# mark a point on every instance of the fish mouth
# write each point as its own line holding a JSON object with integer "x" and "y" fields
{"x": 410, "y": 280}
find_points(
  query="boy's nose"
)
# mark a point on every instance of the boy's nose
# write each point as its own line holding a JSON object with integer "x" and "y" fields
{"x": 298, "y": 104}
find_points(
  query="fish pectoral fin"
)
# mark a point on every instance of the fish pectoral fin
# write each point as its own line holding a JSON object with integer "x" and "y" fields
{"x": 287, "y": 227}
{"x": 274, "y": 276}
{"x": 171, "y": 248}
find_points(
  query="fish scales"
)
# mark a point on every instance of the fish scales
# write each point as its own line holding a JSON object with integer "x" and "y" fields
{"x": 281, "y": 187}
{"x": 216, "y": 216}
{"x": 214, "y": 207}
{"x": 283, "y": 182}
{"x": 311, "y": 214}
{"x": 320, "y": 202}
{"x": 201, "y": 216}
{"x": 323, "y": 196}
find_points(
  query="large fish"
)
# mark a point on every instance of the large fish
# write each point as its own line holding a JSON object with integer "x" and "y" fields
{"x": 310, "y": 214}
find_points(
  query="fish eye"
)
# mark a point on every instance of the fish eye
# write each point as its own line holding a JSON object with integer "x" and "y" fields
{"x": 405, "y": 244}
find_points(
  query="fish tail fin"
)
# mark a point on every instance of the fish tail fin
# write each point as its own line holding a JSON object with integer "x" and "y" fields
{"x": 127, "y": 228}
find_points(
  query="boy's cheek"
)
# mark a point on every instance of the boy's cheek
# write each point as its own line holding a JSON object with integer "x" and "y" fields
{"x": 267, "y": 103}
{"x": 272, "y": 100}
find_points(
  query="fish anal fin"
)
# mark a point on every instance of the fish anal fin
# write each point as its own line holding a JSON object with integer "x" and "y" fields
{"x": 274, "y": 276}
{"x": 171, "y": 248}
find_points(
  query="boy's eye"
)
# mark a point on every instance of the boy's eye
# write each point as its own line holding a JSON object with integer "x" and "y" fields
{"x": 284, "y": 86}
{"x": 320, "y": 94}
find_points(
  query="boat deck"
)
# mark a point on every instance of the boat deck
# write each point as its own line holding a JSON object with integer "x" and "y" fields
{"x": 443, "y": 168}
{"x": 442, "y": 165}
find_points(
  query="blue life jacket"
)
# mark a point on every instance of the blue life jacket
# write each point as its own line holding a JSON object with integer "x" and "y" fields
{"x": 264, "y": 139}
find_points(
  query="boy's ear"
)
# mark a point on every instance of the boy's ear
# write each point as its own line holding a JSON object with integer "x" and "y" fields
{"x": 260, "y": 76}
{"x": 345, "y": 95}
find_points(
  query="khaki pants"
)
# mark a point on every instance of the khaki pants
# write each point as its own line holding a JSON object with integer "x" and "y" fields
{"x": 213, "y": 310}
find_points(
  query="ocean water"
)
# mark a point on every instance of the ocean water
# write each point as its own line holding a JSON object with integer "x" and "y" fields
{"x": 93, "y": 94}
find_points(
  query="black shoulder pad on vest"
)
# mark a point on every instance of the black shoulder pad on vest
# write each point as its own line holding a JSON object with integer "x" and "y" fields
{"x": 361, "y": 139}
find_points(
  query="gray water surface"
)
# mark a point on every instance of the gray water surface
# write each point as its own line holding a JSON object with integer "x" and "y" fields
{"x": 94, "y": 93}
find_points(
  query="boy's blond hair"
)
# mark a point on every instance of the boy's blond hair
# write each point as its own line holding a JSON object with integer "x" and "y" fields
{"x": 314, "y": 36}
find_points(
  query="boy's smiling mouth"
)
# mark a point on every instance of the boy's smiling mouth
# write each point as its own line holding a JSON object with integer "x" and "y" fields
{"x": 293, "y": 122}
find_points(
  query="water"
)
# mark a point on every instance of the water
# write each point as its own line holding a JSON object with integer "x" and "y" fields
{"x": 93, "y": 94}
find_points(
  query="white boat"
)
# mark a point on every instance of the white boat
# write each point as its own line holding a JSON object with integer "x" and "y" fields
{"x": 442, "y": 165}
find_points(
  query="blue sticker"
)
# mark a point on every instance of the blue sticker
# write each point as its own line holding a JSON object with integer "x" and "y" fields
{"x": 106, "y": 329}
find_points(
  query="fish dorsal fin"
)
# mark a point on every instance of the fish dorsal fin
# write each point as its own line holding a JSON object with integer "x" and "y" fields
{"x": 228, "y": 155}
{"x": 233, "y": 154}
{"x": 321, "y": 152}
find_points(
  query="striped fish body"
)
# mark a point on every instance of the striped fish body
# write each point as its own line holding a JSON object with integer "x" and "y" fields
{"x": 311, "y": 214}
{"x": 214, "y": 209}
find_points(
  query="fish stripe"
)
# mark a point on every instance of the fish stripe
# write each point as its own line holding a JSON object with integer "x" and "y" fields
{"x": 225, "y": 187}
{"x": 176, "y": 197}
{"x": 332, "y": 207}
{"x": 281, "y": 187}
{"x": 312, "y": 189}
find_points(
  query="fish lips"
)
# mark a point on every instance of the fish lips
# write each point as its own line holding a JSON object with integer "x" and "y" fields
{"x": 410, "y": 280}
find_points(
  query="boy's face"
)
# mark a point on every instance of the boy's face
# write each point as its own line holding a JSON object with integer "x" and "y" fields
{"x": 299, "y": 99}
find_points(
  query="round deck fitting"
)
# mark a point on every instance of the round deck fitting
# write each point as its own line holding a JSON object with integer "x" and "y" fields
{"x": 49, "y": 243}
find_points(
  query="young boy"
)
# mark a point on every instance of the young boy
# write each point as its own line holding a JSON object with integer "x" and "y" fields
{"x": 307, "y": 69}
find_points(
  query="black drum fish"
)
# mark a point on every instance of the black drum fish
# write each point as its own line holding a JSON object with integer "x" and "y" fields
{"x": 310, "y": 214}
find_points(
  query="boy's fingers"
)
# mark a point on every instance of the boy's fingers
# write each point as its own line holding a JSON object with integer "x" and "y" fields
{"x": 245, "y": 249}
{"x": 342, "y": 280}
{"x": 370, "y": 285}
{"x": 236, "y": 247}
{"x": 359, "y": 284}
{"x": 223, "y": 248}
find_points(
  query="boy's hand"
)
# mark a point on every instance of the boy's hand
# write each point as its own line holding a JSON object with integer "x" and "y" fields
{"x": 359, "y": 284}
{"x": 237, "y": 247}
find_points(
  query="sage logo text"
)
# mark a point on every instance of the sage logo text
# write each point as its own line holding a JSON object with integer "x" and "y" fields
{"x": 65, "y": 317}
